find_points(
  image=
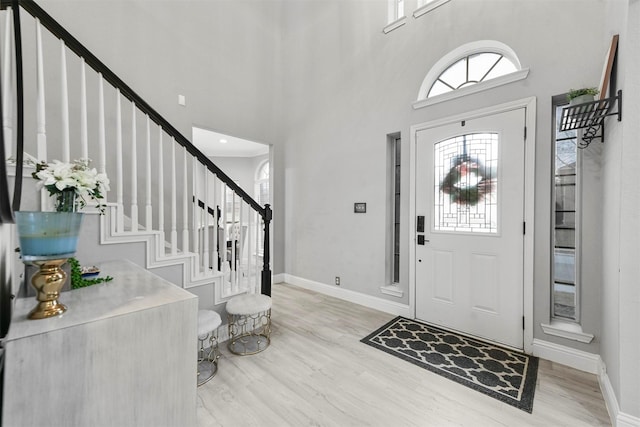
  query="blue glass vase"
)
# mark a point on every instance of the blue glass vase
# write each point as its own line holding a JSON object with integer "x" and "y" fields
{"x": 48, "y": 235}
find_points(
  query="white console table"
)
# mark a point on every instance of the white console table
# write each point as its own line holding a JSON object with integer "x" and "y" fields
{"x": 124, "y": 354}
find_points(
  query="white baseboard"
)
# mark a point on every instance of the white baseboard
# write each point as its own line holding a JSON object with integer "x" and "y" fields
{"x": 618, "y": 419}
{"x": 278, "y": 278}
{"x": 351, "y": 296}
{"x": 577, "y": 359}
{"x": 587, "y": 362}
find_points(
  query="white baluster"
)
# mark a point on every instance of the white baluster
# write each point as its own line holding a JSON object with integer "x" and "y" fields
{"x": 225, "y": 265}
{"x": 234, "y": 237}
{"x": 102, "y": 135}
{"x": 239, "y": 255}
{"x": 134, "y": 170}
{"x": 161, "y": 188}
{"x": 216, "y": 219}
{"x": 64, "y": 107}
{"x": 119, "y": 167}
{"x": 41, "y": 136}
{"x": 84, "y": 135}
{"x": 258, "y": 247}
{"x": 196, "y": 219}
{"x": 250, "y": 272}
{"x": 148, "y": 209}
{"x": 207, "y": 204}
{"x": 7, "y": 86}
{"x": 41, "y": 132}
{"x": 174, "y": 206}
{"x": 185, "y": 202}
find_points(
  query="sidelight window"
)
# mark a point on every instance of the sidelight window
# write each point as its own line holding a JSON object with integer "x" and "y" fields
{"x": 565, "y": 221}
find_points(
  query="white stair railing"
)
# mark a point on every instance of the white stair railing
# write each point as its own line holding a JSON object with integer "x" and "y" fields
{"x": 219, "y": 224}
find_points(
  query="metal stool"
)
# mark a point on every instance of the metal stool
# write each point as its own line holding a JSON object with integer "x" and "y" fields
{"x": 249, "y": 323}
{"x": 208, "y": 323}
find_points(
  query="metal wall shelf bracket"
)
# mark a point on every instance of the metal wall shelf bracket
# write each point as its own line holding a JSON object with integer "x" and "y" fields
{"x": 590, "y": 116}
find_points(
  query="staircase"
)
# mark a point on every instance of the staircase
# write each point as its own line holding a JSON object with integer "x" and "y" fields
{"x": 196, "y": 226}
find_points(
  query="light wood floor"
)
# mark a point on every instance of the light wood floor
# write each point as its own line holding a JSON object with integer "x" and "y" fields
{"x": 317, "y": 373}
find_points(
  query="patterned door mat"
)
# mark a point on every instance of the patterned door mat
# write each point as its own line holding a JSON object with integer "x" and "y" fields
{"x": 503, "y": 374}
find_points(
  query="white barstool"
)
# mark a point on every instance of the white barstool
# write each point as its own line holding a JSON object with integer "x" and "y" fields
{"x": 208, "y": 323}
{"x": 249, "y": 323}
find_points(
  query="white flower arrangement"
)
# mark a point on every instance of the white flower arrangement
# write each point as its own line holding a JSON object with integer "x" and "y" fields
{"x": 75, "y": 179}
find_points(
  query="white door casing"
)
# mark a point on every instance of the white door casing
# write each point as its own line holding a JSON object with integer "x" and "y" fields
{"x": 464, "y": 279}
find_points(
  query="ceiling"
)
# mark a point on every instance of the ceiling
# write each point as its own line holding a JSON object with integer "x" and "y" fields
{"x": 211, "y": 144}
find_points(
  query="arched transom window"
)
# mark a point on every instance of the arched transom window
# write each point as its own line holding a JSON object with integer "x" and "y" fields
{"x": 470, "y": 68}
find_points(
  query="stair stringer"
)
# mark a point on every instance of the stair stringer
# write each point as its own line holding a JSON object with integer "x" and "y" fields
{"x": 156, "y": 257}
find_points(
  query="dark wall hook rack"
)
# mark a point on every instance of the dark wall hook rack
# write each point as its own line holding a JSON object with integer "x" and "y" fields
{"x": 590, "y": 116}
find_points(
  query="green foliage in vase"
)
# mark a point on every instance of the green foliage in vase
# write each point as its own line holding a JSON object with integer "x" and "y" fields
{"x": 574, "y": 93}
{"x": 77, "y": 281}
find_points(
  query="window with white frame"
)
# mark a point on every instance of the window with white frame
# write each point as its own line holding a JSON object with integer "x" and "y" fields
{"x": 396, "y": 17}
{"x": 565, "y": 283}
{"x": 470, "y": 68}
{"x": 262, "y": 183}
{"x": 425, "y": 6}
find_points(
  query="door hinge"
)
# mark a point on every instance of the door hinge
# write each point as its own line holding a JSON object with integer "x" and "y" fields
{"x": 524, "y": 227}
{"x": 522, "y": 322}
{"x": 525, "y": 133}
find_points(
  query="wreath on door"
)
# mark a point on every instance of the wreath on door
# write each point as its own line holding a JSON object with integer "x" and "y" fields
{"x": 468, "y": 181}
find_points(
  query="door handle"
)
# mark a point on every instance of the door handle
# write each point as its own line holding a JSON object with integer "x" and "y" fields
{"x": 421, "y": 239}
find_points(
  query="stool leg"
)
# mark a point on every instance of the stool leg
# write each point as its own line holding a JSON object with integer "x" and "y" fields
{"x": 209, "y": 357}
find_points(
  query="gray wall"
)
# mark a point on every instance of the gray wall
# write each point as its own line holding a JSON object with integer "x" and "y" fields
{"x": 620, "y": 348}
{"x": 349, "y": 85}
{"x": 241, "y": 169}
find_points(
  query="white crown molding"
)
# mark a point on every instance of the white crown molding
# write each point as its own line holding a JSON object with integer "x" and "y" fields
{"x": 376, "y": 303}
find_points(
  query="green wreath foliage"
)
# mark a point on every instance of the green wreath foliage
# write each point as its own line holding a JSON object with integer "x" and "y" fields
{"x": 463, "y": 166}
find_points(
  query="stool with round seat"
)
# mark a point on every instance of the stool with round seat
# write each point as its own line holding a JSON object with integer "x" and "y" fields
{"x": 208, "y": 323}
{"x": 249, "y": 323}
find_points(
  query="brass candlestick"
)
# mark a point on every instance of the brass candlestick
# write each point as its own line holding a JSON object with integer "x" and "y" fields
{"x": 48, "y": 282}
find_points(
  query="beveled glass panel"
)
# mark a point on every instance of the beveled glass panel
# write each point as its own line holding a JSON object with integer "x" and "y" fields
{"x": 466, "y": 183}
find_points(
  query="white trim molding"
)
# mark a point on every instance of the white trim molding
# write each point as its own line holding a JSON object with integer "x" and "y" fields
{"x": 395, "y": 24}
{"x": 571, "y": 331}
{"x": 428, "y": 7}
{"x": 618, "y": 419}
{"x": 278, "y": 278}
{"x": 577, "y": 359}
{"x": 392, "y": 290}
{"x": 375, "y": 303}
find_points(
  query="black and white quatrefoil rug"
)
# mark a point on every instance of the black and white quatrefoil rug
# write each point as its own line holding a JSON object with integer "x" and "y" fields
{"x": 506, "y": 375}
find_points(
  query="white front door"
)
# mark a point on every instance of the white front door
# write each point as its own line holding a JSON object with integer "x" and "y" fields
{"x": 470, "y": 218}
